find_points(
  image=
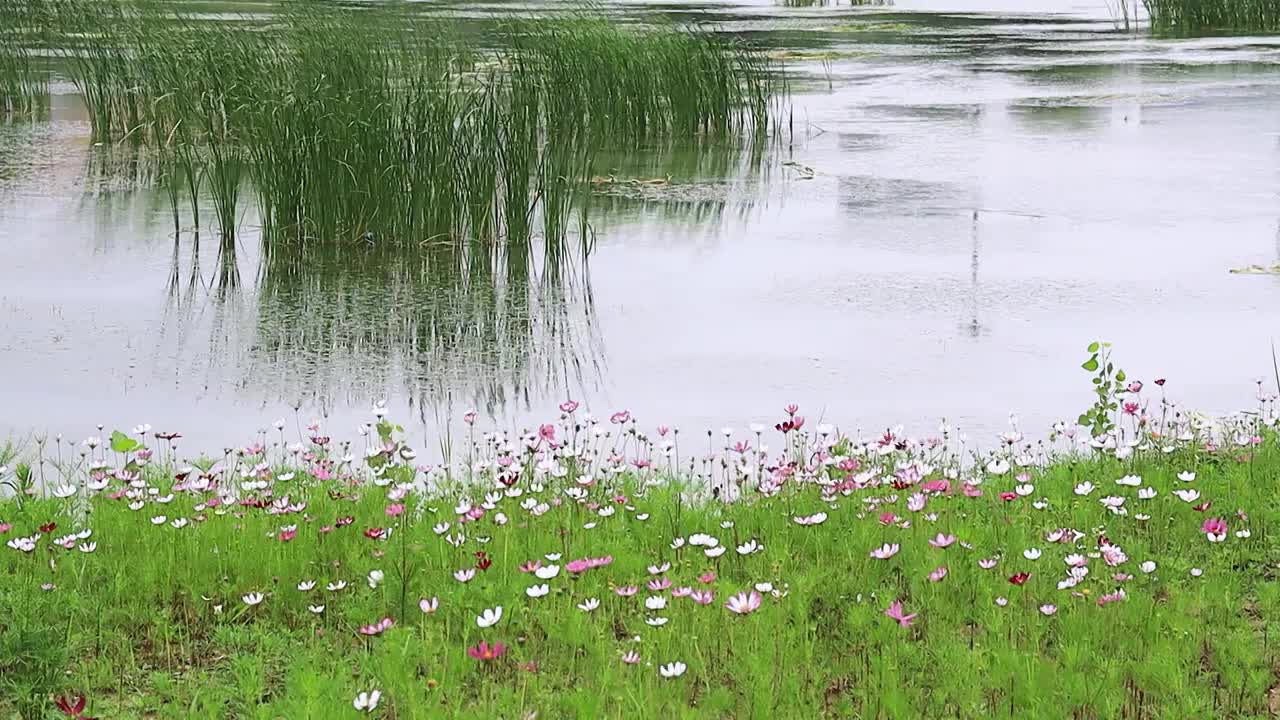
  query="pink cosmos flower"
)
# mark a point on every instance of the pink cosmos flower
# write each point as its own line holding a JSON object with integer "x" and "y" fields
{"x": 395, "y": 510}
{"x": 679, "y": 592}
{"x": 429, "y": 605}
{"x": 547, "y": 432}
{"x": 942, "y": 541}
{"x": 707, "y": 578}
{"x": 744, "y": 603}
{"x": 5, "y": 527}
{"x": 971, "y": 490}
{"x": 631, "y": 657}
{"x": 987, "y": 563}
{"x": 486, "y": 652}
{"x": 288, "y": 534}
{"x": 916, "y": 502}
{"x": 377, "y": 628}
{"x": 1048, "y": 609}
{"x": 895, "y": 612}
{"x": 884, "y": 552}
{"x": 532, "y": 565}
{"x": 1215, "y": 529}
{"x": 888, "y": 518}
{"x": 568, "y": 406}
{"x": 620, "y": 417}
{"x": 1109, "y": 598}
{"x": 659, "y": 584}
{"x": 938, "y": 575}
{"x": 573, "y": 566}
{"x": 703, "y": 597}
{"x": 626, "y": 590}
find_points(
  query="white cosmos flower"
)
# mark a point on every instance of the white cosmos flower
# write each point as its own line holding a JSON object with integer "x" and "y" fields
{"x": 367, "y": 701}
{"x": 489, "y": 617}
{"x": 1187, "y": 495}
{"x": 159, "y": 520}
{"x": 1084, "y": 488}
{"x": 764, "y": 587}
{"x": 537, "y": 591}
{"x": 655, "y": 602}
{"x": 703, "y": 539}
{"x": 1147, "y": 493}
{"x": 552, "y": 557}
{"x": 659, "y": 569}
{"x": 677, "y": 543}
{"x": 316, "y": 609}
{"x": 1031, "y": 553}
{"x": 90, "y": 547}
{"x": 1025, "y": 489}
{"x": 749, "y": 547}
{"x": 1130, "y": 481}
{"x": 252, "y": 598}
{"x": 64, "y": 491}
{"x": 440, "y": 528}
{"x": 1186, "y": 476}
{"x": 375, "y": 578}
{"x": 180, "y": 523}
{"x": 998, "y": 467}
{"x": 464, "y": 575}
{"x": 336, "y": 586}
{"x": 307, "y": 585}
{"x": 714, "y": 552}
{"x": 547, "y": 572}
{"x": 1243, "y": 533}
{"x": 656, "y": 621}
{"x": 589, "y": 604}
{"x": 1148, "y": 567}
{"x": 672, "y": 670}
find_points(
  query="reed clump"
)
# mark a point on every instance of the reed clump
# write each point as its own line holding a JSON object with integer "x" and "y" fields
{"x": 24, "y": 74}
{"x": 386, "y": 126}
{"x": 1209, "y": 16}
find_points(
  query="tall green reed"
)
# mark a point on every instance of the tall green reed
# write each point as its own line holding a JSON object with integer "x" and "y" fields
{"x": 1208, "y": 16}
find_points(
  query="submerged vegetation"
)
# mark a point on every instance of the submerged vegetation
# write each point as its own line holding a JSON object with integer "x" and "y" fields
{"x": 607, "y": 568}
{"x": 1208, "y": 16}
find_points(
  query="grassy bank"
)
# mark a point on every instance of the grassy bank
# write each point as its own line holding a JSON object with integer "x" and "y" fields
{"x": 604, "y": 569}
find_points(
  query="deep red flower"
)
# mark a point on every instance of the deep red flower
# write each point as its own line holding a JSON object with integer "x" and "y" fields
{"x": 72, "y": 708}
{"x": 1020, "y": 579}
{"x": 483, "y": 562}
{"x": 344, "y": 521}
{"x": 375, "y": 533}
{"x": 1008, "y": 496}
{"x": 48, "y": 527}
{"x": 1202, "y": 506}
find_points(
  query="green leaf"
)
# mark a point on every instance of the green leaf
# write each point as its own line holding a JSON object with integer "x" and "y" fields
{"x": 1093, "y": 347}
{"x": 1091, "y": 364}
{"x": 122, "y": 443}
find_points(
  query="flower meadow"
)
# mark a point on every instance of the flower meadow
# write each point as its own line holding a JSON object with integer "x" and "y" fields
{"x": 605, "y": 568}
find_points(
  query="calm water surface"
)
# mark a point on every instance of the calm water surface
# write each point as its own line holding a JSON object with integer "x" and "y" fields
{"x": 987, "y": 190}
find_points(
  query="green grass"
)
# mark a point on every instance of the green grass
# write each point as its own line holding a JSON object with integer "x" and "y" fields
{"x": 153, "y": 622}
{"x": 1209, "y": 16}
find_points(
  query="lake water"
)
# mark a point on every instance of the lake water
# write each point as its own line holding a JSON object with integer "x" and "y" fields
{"x": 992, "y": 187}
